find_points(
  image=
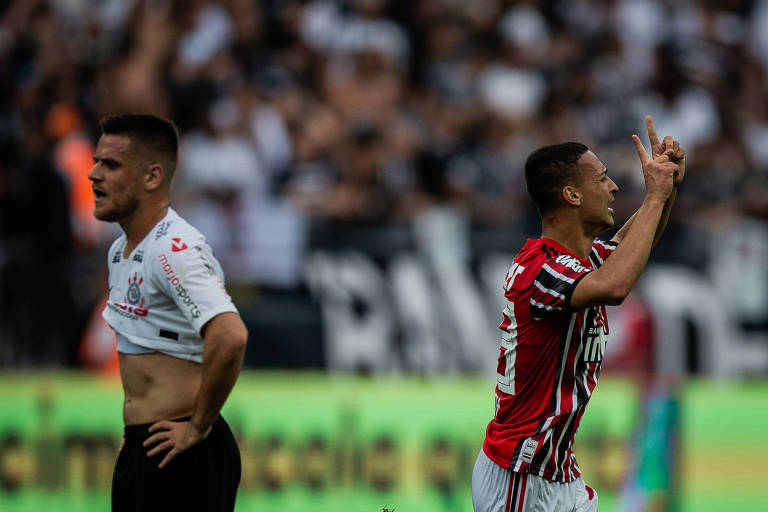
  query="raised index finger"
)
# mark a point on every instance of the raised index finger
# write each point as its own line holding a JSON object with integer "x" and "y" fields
{"x": 651, "y": 131}
{"x": 644, "y": 158}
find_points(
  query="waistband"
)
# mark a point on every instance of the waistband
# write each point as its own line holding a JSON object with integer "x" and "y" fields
{"x": 141, "y": 432}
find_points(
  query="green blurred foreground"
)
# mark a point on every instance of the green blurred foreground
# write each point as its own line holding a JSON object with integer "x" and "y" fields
{"x": 321, "y": 443}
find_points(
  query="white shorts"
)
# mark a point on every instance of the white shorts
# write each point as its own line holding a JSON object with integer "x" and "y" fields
{"x": 498, "y": 489}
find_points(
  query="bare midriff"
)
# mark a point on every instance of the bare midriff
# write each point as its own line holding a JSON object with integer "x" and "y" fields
{"x": 158, "y": 387}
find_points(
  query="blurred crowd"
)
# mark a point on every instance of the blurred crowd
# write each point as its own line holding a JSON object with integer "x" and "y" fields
{"x": 313, "y": 123}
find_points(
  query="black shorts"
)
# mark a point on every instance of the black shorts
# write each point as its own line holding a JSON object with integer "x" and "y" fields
{"x": 203, "y": 478}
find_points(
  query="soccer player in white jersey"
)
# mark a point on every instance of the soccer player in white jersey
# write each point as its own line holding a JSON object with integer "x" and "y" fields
{"x": 180, "y": 339}
{"x": 555, "y": 326}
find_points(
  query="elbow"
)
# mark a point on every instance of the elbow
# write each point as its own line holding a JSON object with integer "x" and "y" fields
{"x": 614, "y": 300}
{"x": 232, "y": 341}
{"x": 239, "y": 339}
{"x": 616, "y": 294}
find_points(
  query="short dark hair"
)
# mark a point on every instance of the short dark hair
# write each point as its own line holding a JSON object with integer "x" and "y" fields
{"x": 549, "y": 169}
{"x": 149, "y": 133}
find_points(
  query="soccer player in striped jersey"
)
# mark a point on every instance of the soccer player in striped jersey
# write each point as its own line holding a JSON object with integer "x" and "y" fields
{"x": 555, "y": 327}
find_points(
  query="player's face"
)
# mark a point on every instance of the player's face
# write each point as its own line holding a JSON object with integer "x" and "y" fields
{"x": 115, "y": 179}
{"x": 597, "y": 190}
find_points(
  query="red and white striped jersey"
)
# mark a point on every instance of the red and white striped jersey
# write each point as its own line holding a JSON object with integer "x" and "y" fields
{"x": 549, "y": 361}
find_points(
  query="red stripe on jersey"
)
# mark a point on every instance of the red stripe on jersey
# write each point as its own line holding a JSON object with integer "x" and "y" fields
{"x": 556, "y": 363}
{"x": 505, "y": 322}
{"x": 501, "y": 367}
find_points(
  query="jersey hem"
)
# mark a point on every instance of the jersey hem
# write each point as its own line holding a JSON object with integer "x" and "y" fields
{"x": 496, "y": 460}
{"x": 547, "y": 474}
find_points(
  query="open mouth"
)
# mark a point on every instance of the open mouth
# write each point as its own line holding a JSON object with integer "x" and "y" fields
{"x": 98, "y": 194}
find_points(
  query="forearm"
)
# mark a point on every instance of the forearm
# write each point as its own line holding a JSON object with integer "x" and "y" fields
{"x": 622, "y": 232}
{"x": 222, "y": 360}
{"x": 665, "y": 216}
{"x": 629, "y": 259}
{"x": 612, "y": 282}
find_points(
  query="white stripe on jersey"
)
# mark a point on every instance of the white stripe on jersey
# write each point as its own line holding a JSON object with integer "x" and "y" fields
{"x": 544, "y": 306}
{"x": 606, "y": 245}
{"x": 506, "y": 382}
{"x": 557, "y": 393}
{"x": 554, "y": 273}
{"x": 550, "y": 291}
{"x": 600, "y": 260}
{"x": 563, "y": 361}
{"x": 574, "y": 396}
{"x": 548, "y": 441}
{"x": 559, "y": 441}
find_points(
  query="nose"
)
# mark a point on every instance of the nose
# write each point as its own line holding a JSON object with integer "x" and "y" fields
{"x": 93, "y": 174}
{"x": 614, "y": 186}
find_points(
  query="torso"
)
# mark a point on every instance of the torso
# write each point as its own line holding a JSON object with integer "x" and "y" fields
{"x": 549, "y": 362}
{"x": 161, "y": 295}
{"x": 157, "y": 387}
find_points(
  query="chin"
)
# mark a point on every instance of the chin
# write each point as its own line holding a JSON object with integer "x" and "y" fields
{"x": 110, "y": 215}
{"x": 608, "y": 224}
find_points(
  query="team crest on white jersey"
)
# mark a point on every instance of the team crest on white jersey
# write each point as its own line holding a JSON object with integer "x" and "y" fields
{"x": 133, "y": 305}
{"x": 133, "y": 295}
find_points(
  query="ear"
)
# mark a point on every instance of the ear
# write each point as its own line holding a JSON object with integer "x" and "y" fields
{"x": 571, "y": 195}
{"x": 153, "y": 177}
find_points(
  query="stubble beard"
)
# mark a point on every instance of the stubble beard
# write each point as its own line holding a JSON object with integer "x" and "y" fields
{"x": 120, "y": 210}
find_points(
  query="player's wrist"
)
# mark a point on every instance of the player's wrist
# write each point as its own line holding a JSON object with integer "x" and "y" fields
{"x": 197, "y": 429}
{"x": 655, "y": 200}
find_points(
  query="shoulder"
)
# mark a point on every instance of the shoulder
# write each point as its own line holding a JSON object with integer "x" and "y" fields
{"x": 537, "y": 254}
{"x": 172, "y": 248}
{"x": 554, "y": 263}
{"x": 173, "y": 235}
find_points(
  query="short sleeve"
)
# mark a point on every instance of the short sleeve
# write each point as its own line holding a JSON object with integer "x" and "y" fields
{"x": 554, "y": 284}
{"x": 193, "y": 279}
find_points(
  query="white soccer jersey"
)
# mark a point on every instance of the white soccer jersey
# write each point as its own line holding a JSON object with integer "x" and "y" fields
{"x": 165, "y": 291}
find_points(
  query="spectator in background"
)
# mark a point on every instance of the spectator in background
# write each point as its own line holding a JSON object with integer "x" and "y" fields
{"x": 35, "y": 256}
{"x": 336, "y": 100}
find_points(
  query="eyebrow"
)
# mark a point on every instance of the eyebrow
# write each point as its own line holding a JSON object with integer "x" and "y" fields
{"x": 107, "y": 161}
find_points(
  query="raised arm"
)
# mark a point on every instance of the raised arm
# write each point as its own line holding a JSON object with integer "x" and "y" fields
{"x": 677, "y": 156}
{"x": 612, "y": 282}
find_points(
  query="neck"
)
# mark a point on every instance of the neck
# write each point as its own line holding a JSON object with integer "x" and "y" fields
{"x": 569, "y": 234}
{"x": 141, "y": 222}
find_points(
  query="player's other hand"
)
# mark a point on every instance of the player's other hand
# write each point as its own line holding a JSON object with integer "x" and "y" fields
{"x": 659, "y": 172}
{"x": 175, "y": 436}
{"x": 660, "y": 147}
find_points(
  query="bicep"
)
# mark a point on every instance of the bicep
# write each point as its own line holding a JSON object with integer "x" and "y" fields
{"x": 191, "y": 281}
{"x": 227, "y": 327}
{"x": 593, "y": 290}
